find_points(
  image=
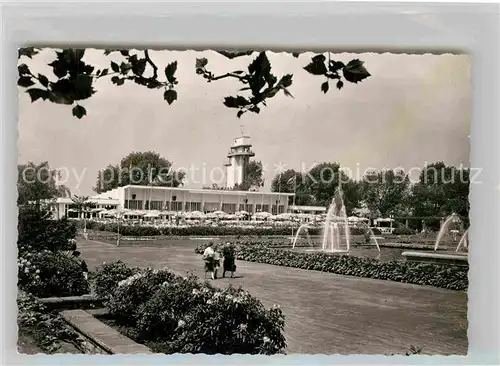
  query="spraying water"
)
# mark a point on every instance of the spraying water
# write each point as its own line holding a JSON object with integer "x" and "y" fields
{"x": 302, "y": 227}
{"x": 450, "y": 220}
{"x": 372, "y": 235}
{"x": 336, "y": 225}
{"x": 464, "y": 240}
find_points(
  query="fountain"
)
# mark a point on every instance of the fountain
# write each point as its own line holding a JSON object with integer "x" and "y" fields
{"x": 453, "y": 219}
{"x": 302, "y": 227}
{"x": 464, "y": 240}
{"x": 446, "y": 258}
{"x": 372, "y": 236}
{"x": 335, "y": 225}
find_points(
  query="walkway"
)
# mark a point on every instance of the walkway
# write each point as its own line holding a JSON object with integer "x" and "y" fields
{"x": 325, "y": 313}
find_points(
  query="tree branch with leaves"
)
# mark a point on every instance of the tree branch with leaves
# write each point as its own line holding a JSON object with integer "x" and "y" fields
{"x": 75, "y": 79}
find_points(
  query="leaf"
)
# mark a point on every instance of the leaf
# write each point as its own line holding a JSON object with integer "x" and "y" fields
{"x": 287, "y": 93}
{"x": 23, "y": 69}
{"x": 36, "y": 94}
{"x": 286, "y": 81}
{"x": 254, "y": 109}
{"x": 104, "y": 72}
{"x": 355, "y": 72}
{"x": 124, "y": 52}
{"x": 170, "y": 71}
{"x": 117, "y": 80}
{"x": 335, "y": 66}
{"x": 139, "y": 67}
{"x": 115, "y": 67}
{"x": 43, "y": 80}
{"x": 325, "y": 86}
{"x": 125, "y": 67}
{"x": 260, "y": 66}
{"x": 237, "y": 102}
{"x": 25, "y": 81}
{"x": 27, "y": 51}
{"x": 170, "y": 96}
{"x": 317, "y": 65}
{"x": 240, "y": 113}
{"x": 201, "y": 63}
{"x": 296, "y": 54}
{"x": 234, "y": 54}
{"x": 79, "y": 111}
{"x": 340, "y": 84}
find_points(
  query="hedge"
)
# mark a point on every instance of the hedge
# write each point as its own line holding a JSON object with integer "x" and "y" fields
{"x": 174, "y": 314}
{"x": 451, "y": 277}
{"x": 199, "y": 230}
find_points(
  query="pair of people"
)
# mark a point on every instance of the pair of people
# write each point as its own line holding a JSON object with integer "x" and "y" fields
{"x": 211, "y": 256}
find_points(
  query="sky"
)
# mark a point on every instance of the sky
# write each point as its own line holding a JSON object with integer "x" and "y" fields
{"x": 413, "y": 110}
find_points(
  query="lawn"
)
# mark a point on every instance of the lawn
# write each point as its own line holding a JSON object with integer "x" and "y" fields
{"x": 325, "y": 313}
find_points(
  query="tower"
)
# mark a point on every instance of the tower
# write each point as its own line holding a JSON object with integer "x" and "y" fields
{"x": 238, "y": 157}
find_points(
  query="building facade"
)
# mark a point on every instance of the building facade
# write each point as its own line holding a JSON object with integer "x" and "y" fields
{"x": 135, "y": 197}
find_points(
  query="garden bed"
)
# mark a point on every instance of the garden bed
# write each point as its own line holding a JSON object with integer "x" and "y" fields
{"x": 174, "y": 314}
{"x": 439, "y": 275}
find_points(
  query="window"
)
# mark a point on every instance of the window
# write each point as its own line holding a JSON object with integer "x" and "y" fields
{"x": 177, "y": 206}
{"x": 193, "y": 206}
{"x": 155, "y": 205}
{"x": 133, "y": 204}
{"x": 229, "y": 208}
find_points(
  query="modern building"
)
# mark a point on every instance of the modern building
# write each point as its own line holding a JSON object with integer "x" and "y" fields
{"x": 135, "y": 197}
{"x": 144, "y": 198}
{"x": 238, "y": 157}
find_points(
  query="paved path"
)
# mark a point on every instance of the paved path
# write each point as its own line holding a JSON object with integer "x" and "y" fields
{"x": 325, "y": 313}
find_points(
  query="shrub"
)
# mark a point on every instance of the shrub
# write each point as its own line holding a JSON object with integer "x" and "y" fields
{"x": 106, "y": 277}
{"x": 403, "y": 231}
{"x": 48, "y": 274}
{"x": 174, "y": 314}
{"x": 37, "y": 231}
{"x": 47, "y": 329}
{"x": 132, "y": 292}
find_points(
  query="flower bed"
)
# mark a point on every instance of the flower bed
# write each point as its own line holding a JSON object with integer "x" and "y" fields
{"x": 48, "y": 274}
{"x": 199, "y": 230}
{"x": 174, "y": 314}
{"x": 445, "y": 276}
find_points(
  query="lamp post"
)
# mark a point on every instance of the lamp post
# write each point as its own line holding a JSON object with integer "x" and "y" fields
{"x": 119, "y": 220}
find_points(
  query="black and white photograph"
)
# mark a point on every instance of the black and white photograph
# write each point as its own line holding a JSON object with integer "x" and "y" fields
{"x": 240, "y": 201}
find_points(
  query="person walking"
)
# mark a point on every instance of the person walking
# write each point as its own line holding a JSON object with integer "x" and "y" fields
{"x": 209, "y": 259}
{"x": 229, "y": 264}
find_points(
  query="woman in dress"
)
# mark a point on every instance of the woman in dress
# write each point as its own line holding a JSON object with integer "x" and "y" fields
{"x": 229, "y": 264}
{"x": 209, "y": 258}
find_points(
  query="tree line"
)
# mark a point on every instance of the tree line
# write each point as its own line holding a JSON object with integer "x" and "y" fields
{"x": 439, "y": 191}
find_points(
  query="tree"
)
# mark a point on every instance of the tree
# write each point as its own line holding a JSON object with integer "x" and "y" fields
{"x": 75, "y": 80}
{"x": 441, "y": 191}
{"x": 139, "y": 168}
{"x": 37, "y": 230}
{"x": 253, "y": 179}
{"x": 385, "y": 193}
{"x": 36, "y": 182}
{"x": 317, "y": 186}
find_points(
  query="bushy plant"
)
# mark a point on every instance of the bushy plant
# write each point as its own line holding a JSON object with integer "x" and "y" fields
{"x": 226, "y": 321}
{"x": 178, "y": 314}
{"x": 48, "y": 274}
{"x": 132, "y": 292}
{"x": 105, "y": 277}
{"x": 48, "y": 329}
{"x": 38, "y": 231}
{"x": 403, "y": 231}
